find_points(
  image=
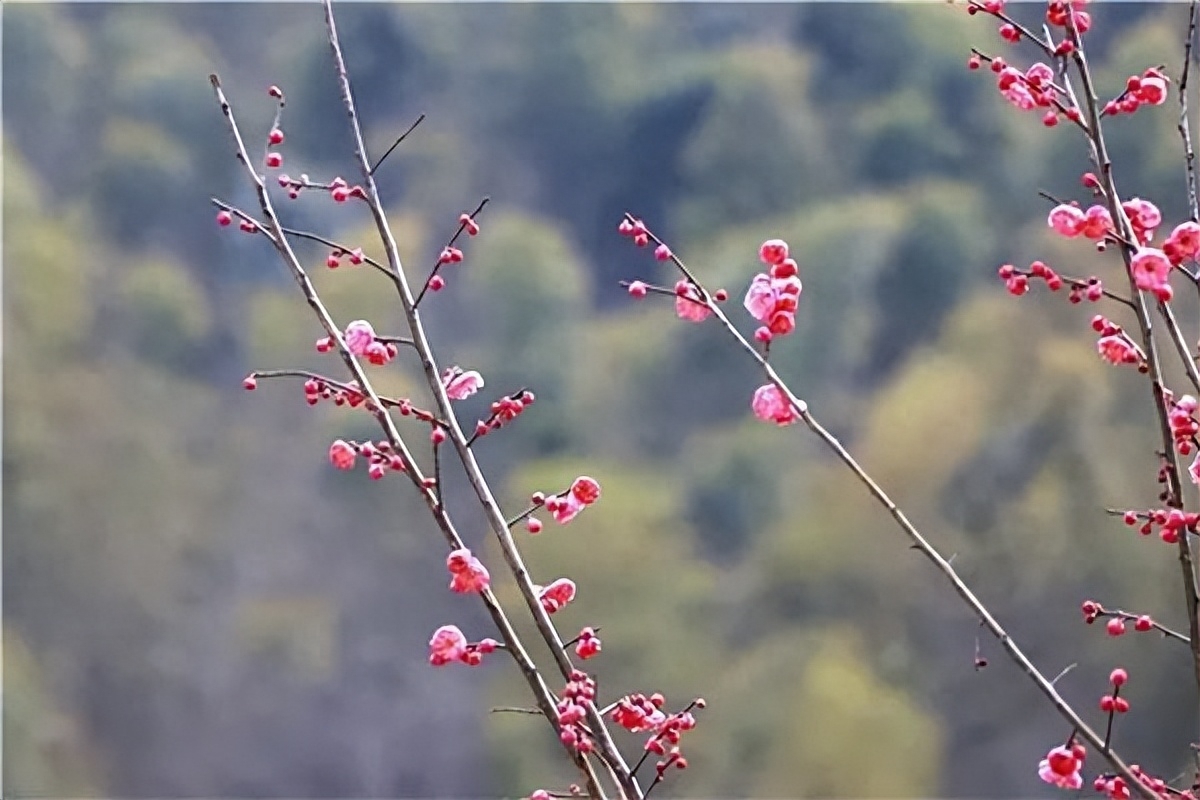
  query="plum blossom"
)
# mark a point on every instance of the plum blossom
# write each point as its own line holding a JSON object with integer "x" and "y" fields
{"x": 688, "y": 303}
{"x": 1061, "y": 768}
{"x": 1067, "y": 220}
{"x": 469, "y": 573}
{"x": 557, "y": 595}
{"x": 1117, "y": 349}
{"x": 1097, "y": 222}
{"x": 1183, "y": 244}
{"x": 770, "y": 405}
{"x": 637, "y": 713}
{"x": 564, "y": 508}
{"x": 359, "y": 336}
{"x": 587, "y": 644}
{"x": 586, "y": 490}
{"x": 1113, "y": 787}
{"x": 773, "y": 301}
{"x": 1144, "y": 216}
{"x": 1039, "y": 74}
{"x": 1019, "y": 95}
{"x": 1152, "y": 88}
{"x": 342, "y": 455}
{"x": 773, "y": 252}
{"x": 1151, "y": 270}
{"x": 448, "y": 644}
{"x": 461, "y": 385}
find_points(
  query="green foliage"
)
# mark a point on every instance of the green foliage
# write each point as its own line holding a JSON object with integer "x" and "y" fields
{"x": 758, "y": 148}
{"x": 830, "y": 758}
{"x": 46, "y": 751}
{"x": 521, "y": 289}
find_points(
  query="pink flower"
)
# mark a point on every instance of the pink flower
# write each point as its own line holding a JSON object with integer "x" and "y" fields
{"x": 587, "y": 644}
{"x": 1067, "y": 220}
{"x": 586, "y": 490}
{"x": 688, "y": 304}
{"x": 1152, "y": 89}
{"x": 1183, "y": 243}
{"x": 770, "y": 405}
{"x": 469, "y": 573}
{"x": 448, "y": 644}
{"x": 1061, "y": 768}
{"x": 557, "y": 594}
{"x": 359, "y": 336}
{"x": 1117, "y": 349}
{"x": 1151, "y": 270}
{"x": 1039, "y": 74}
{"x": 1097, "y": 222}
{"x": 1144, "y": 216}
{"x": 1014, "y": 88}
{"x": 1194, "y": 470}
{"x": 342, "y": 454}
{"x": 768, "y": 297}
{"x": 461, "y": 385}
{"x": 637, "y": 713}
{"x": 773, "y": 251}
{"x": 564, "y": 509}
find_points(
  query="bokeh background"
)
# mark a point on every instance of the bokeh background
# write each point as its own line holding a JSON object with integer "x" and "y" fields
{"x": 196, "y": 604}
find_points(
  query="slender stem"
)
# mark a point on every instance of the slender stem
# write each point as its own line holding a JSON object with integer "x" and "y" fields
{"x": 462, "y": 226}
{"x": 298, "y": 234}
{"x": 606, "y": 749}
{"x": 437, "y": 473}
{"x": 396, "y": 143}
{"x": 516, "y": 710}
{"x": 1189, "y": 154}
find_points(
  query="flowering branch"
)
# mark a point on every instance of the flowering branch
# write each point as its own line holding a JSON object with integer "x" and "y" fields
{"x": 796, "y": 408}
{"x": 424, "y": 486}
{"x": 606, "y": 749}
{"x": 1117, "y": 211}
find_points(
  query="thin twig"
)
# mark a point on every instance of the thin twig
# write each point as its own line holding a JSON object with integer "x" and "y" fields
{"x": 396, "y": 143}
{"x": 1063, "y": 674}
{"x": 462, "y": 226}
{"x": 437, "y": 471}
{"x": 1189, "y": 154}
{"x": 516, "y": 710}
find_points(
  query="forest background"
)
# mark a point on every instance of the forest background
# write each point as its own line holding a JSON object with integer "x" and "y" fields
{"x": 196, "y": 604}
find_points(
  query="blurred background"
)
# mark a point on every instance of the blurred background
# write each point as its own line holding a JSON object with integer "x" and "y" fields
{"x": 196, "y": 604}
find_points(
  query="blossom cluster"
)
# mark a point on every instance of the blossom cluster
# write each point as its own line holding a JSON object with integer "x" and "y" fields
{"x": 504, "y": 411}
{"x": 565, "y": 506}
{"x": 449, "y": 644}
{"x": 1061, "y": 766}
{"x": 572, "y": 711}
{"x": 1115, "y": 345}
{"x": 637, "y": 713}
{"x": 361, "y": 340}
{"x": 468, "y": 574}
{"x": 380, "y": 458}
{"x": 1170, "y": 523}
{"x": 1115, "y": 626}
